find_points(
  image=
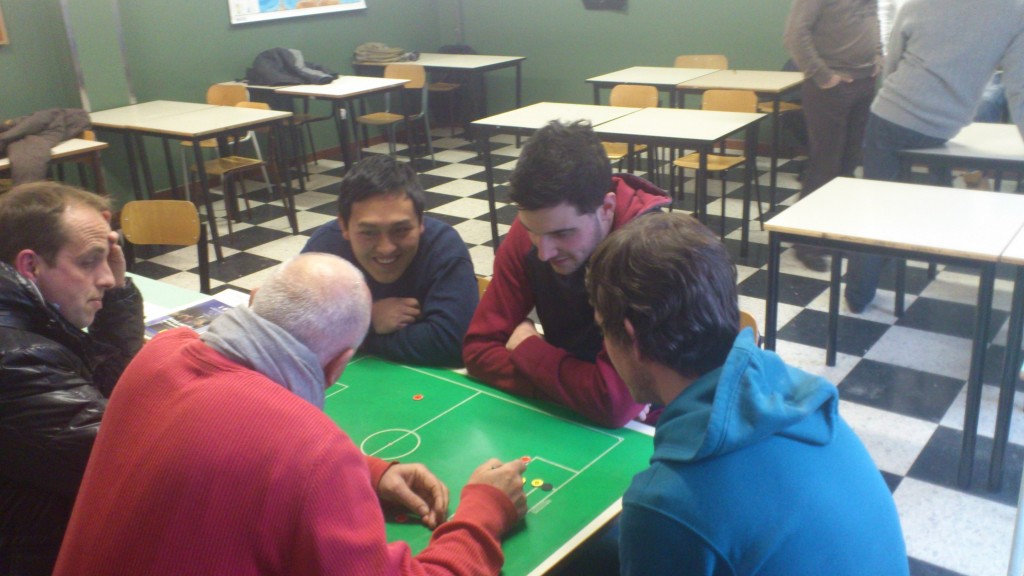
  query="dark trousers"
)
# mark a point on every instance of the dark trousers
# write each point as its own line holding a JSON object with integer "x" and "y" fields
{"x": 835, "y": 118}
{"x": 883, "y": 141}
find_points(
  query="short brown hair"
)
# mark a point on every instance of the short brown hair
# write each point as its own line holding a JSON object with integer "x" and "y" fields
{"x": 30, "y": 217}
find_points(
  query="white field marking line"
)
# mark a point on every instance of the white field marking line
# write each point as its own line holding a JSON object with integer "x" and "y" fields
{"x": 574, "y": 476}
{"x": 342, "y": 386}
{"x": 424, "y": 424}
{"x": 513, "y": 402}
{"x": 553, "y": 463}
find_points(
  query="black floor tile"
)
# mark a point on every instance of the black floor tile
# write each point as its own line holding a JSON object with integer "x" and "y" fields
{"x": 793, "y": 289}
{"x": 940, "y": 459}
{"x": 428, "y": 181}
{"x": 251, "y": 237}
{"x": 922, "y": 568}
{"x": 153, "y": 270}
{"x": 855, "y": 336}
{"x": 950, "y": 318}
{"x": 891, "y": 480}
{"x": 238, "y": 265}
{"x": 902, "y": 390}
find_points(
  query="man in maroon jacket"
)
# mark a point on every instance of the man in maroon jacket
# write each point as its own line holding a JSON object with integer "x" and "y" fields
{"x": 568, "y": 202}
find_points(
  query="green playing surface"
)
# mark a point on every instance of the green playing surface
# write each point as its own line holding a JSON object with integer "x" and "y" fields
{"x": 459, "y": 423}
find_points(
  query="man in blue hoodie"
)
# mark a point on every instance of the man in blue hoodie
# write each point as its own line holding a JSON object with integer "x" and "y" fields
{"x": 754, "y": 471}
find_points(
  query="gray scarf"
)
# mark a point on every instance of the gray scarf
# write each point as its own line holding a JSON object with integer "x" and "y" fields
{"x": 259, "y": 344}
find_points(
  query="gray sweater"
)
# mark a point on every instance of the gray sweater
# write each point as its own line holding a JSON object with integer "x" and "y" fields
{"x": 942, "y": 54}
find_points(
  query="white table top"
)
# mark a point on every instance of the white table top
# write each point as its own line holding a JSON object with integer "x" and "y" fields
{"x": 926, "y": 219}
{"x": 677, "y": 123}
{"x": 767, "y": 81}
{"x": 463, "y": 61}
{"x": 982, "y": 140}
{"x": 207, "y": 121}
{"x": 661, "y": 76}
{"x": 342, "y": 87}
{"x": 535, "y": 116}
{"x": 126, "y": 116}
{"x": 66, "y": 148}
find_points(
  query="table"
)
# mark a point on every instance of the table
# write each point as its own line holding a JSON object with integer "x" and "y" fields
{"x": 527, "y": 120}
{"x": 664, "y": 78}
{"x": 766, "y": 83}
{"x": 697, "y": 129}
{"x": 474, "y": 64}
{"x": 905, "y": 221}
{"x": 194, "y": 123}
{"x": 339, "y": 92}
{"x": 120, "y": 120}
{"x": 980, "y": 146}
{"x": 74, "y": 150}
{"x": 589, "y": 468}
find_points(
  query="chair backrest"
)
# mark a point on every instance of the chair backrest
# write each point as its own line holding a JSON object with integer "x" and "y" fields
{"x": 634, "y": 96}
{"x": 414, "y": 73}
{"x": 482, "y": 282}
{"x": 748, "y": 321}
{"x": 173, "y": 222}
{"x": 729, "y": 100}
{"x": 717, "y": 61}
{"x": 226, "y": 94}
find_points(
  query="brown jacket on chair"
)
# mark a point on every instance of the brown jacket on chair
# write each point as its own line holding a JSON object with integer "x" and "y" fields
{"x": 27, "y": 140}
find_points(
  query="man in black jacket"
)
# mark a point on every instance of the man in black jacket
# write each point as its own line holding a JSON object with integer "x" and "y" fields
{"x": 61, "y": 271}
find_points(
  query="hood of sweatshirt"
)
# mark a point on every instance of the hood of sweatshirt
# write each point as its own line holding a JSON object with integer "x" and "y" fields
{"x": 752, "y": 396}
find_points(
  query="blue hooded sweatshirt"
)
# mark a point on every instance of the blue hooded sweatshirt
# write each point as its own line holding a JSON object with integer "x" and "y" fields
{"x": 755, "y": 472}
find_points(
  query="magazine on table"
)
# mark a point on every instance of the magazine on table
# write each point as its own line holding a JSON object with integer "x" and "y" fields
{"x": 195, "y": 316}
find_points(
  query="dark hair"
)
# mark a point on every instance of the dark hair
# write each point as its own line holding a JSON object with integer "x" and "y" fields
{"x": 31, "y": 218}
{"x": 379, "y": 175}
{"x": 672, "y": 279}
{"x": 562, "y": 163}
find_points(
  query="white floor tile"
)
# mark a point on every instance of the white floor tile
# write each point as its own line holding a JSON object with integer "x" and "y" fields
{"x": 893, "y": 440}
{"x": 925, "y": 351}
{"x": 464, "y": 208}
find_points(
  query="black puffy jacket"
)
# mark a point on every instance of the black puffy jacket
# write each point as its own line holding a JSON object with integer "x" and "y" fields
{"x": 54, "y": 380}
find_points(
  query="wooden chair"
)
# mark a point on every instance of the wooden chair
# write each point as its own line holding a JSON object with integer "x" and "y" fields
{"x": 716, "y": 61}
{"x": 747, "y": 320}
{"x": 417, "y": 84}
{"x": 482, "y": 282}
{"x": 230, "y": 168}
{"x": 450, "y": 91}
{"x": 166, "y": 222}
{"x": 722, "y": 101}
{"x": 633, "y": 96}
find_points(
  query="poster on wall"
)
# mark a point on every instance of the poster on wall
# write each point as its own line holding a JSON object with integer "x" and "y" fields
{"x": 245, "y": 11}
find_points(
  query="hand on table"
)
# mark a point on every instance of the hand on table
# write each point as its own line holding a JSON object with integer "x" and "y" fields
{"x": 525, "y": 330}
{"x": 416, "y": 489}
{"x": 392, "y": 314}
{"x": 507, "y": 477}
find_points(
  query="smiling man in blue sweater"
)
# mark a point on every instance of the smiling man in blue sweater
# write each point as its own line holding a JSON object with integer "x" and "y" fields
{"x": 754, "y": 471}
{"x": 418, "y": 269}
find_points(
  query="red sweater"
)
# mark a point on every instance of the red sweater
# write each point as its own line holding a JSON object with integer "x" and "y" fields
{"x": 203, "y": 466}
{"x": 582, "y": 379}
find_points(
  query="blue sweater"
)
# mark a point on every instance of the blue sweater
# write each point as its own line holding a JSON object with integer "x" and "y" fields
{"x": 755, "y": 472}
{"x": 440, "y": 276}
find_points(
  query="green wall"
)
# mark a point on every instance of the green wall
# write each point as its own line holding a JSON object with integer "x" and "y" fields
{"x": 35, "y": 68}
{"x": 177, "y": 48}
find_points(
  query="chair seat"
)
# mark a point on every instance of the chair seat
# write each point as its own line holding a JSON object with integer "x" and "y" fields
{"x": 443, "y": 87}
{"x": 618, "y": 150}
{"x": 229, "y": 164}
{"x": 716, "y": 162}
{"x": 211, "y": 143}
{"x": 380, "y": 118}
{"x": 766, "y": 107}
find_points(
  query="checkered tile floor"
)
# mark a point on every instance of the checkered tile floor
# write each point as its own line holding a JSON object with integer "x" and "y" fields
{"x": 901, "y": 380}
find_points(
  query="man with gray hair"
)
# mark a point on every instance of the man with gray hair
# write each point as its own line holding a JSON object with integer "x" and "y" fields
{"x": 61, "y": 271}
{"x": 215, "y": 455}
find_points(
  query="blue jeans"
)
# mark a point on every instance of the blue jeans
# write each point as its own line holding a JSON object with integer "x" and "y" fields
{"x": 883, "y": 141}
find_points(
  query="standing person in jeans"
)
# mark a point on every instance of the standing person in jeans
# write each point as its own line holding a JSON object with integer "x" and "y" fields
{"x": 942, "y": 54}
{"x": 836, "y": 45}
